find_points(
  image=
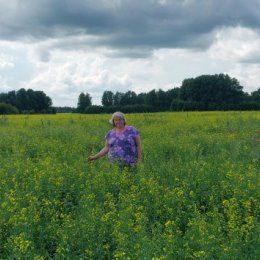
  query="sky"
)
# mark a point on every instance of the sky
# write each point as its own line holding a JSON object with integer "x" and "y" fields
{"x": 66, "y": 47}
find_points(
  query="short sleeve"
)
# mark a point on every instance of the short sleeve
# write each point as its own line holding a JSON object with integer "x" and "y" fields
{"x": 134, "y": 131}
{"x": 107, "y": 136}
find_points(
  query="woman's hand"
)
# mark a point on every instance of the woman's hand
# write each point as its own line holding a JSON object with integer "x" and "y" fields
{"x": 103, "y": 152}
{"x": 91, "y": 158}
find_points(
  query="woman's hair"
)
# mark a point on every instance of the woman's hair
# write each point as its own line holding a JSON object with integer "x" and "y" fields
{"x": 117, "y": 114}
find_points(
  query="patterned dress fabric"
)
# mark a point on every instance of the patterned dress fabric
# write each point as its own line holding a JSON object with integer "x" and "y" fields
{"x": 122, "y": 147}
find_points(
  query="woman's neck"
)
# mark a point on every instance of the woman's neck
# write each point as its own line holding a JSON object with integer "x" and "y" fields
{"x": 120, "y": 129}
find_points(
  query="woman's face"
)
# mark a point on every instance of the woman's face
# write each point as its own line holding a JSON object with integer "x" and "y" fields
{"x": 119, "y": 122}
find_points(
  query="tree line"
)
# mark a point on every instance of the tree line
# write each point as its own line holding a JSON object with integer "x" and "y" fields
{"x": 26, "y": 102}
{"x": 203, "y": 93}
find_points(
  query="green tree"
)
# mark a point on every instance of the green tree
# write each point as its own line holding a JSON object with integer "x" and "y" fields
{"x": 22, "y": 101}
{"x": 129, "y": 98}
{"x": 252, "y": 101}
{"x": 140, "y": 99}
{"x": 39, "y": 100}
{"x": 212, "y": 91}
{"x": 107, "y": 98}
{"x": 33, "y": 101}
{"x": 118, "y": 98}
{"x": 84, "y": 101}
{"x": 255, "y": 96}
{"x": 8, "y": 109}
{"x": 28, "y": 100}
{"x": 11, "y": 98}
{"x": 161, "y": 100}
{"x": 151, "y": 98}
{"x": 172, "y": 94}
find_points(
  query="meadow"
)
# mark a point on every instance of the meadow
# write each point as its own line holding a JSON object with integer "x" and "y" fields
{"x": 195, "y": 194}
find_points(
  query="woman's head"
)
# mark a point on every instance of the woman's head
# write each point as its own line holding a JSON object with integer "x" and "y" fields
{"x": 117, "y": 117}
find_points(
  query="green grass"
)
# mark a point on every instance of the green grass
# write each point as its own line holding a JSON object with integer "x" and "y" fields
{"x": 194, "y": 196}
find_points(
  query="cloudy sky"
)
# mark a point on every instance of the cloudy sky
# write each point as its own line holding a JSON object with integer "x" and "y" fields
{"x": 65, "y": 47}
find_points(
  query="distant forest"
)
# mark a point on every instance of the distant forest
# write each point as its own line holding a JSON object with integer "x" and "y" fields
{"x": 25, "y": 102}
{"x": 203, "y": 93}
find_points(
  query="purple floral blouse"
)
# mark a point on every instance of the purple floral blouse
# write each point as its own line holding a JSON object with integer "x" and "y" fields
{"x": 122, "y": 147}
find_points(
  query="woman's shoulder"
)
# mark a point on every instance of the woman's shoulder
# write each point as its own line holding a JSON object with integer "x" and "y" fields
{"x": 131, "y": 128}
{"x": 110, "y": 133}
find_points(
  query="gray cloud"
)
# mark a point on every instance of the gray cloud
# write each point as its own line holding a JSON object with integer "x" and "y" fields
{"x": 65, "y": 47}
{"x": 253, "y": 59}
{"x": 126, "y": 24}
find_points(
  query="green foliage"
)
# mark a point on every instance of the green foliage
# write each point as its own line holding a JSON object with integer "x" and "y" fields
{"x": 203, "y": 93}
{"x": 107, "y": 98}
{"x": 195, "y": 194}
{"x": 8, "y": 109}
{"x": 125, "y": 109}
{"x": 28, "y": 101}
{"x": 84, "y": 101}
{"x": 214, "y": 92}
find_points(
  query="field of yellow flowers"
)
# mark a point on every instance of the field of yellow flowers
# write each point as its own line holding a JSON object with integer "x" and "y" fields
{"x": 194, "y": 196}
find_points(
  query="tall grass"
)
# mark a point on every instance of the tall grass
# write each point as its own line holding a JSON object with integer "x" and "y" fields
{"x": 194, "y": 196}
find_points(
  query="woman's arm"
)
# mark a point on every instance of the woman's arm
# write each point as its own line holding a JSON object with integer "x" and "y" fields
{"x": 101, "y": 153}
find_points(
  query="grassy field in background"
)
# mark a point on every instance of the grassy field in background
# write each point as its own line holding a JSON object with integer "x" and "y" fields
{"x": 194, "y": 196}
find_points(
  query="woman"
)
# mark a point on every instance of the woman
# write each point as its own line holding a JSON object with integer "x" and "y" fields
{"x": 122, "y": 143}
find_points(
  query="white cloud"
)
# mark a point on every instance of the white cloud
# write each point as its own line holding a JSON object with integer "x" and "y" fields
{"x": 248, "y": 76}
{"x": 3, "y": 86}
{"x": 239, "y": 47}
{"x": 68, "y": 73}
{"x": 64, "y": 48}
{"x": 5, "y": 61}
{"x": 238, "y": 44}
